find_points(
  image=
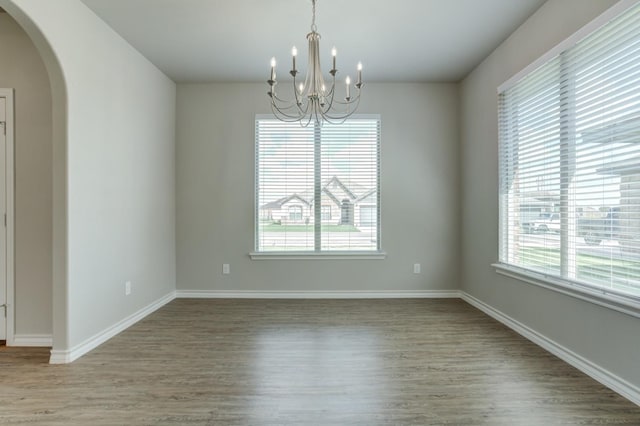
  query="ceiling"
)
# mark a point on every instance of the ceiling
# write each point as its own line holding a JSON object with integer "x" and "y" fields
{"x": 234, "y": 40}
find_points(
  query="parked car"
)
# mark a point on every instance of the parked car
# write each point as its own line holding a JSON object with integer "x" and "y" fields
{"x": 546, "y": 222}
{"x": 594, "y": 230}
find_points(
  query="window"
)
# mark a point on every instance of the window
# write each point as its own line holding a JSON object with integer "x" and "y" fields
{"x": 295, "y": 214}
{"x": 329, "y": 172}
{"x": 570, "y": 164}
{"x": 326, "y": 213}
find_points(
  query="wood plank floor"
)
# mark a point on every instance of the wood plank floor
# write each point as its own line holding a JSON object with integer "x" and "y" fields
{"x": 300, "y": 362}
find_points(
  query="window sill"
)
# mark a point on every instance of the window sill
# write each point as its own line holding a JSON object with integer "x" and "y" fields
{"x": 343, "y": 255}
{"x": 626, "y": 304}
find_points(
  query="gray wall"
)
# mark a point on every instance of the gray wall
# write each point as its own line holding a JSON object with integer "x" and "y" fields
{"x": 607, "y": 338}
{"x": 419, "y": 190}
{"x": 117, "y": 161}
{"x": 22, "y": 69}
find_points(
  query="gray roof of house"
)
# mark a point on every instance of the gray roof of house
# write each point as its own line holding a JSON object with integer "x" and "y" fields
{"x": 336, "y": 189}
{"x": 280, "y": 202}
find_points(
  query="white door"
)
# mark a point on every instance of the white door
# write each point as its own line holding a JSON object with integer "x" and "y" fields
{"x": 3, "y": 218}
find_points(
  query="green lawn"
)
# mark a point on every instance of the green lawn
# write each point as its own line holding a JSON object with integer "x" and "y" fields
{"x": 272, "y": 227}
{"x": 599, "y": 268}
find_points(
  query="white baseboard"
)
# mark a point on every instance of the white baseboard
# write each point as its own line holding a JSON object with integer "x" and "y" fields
{"x": 610, "y": 380}
{"x": 70, "y": 355}
{"x": 36, "y": 340}
{"x": 224, "y": 294}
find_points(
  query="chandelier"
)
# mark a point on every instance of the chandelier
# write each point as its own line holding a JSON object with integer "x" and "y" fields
{"x": 314, "y": 99}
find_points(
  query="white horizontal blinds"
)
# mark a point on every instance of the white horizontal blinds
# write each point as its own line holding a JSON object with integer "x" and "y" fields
{"x": 349, "y": 185}
{"x": 335, "y": 167}
{"x": 530, "y": 166}
{"x": 284, "y": 186}
{"x": 607, "y": 174}
{"x": 570, "y": 162}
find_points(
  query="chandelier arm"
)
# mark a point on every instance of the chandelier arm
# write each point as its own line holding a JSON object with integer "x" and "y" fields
{"x": 318, "y": 119}
{"x": 280, "y": 115}
{"x": 327, "y": 111}
{"x": 331, "y": 94}
{"x": 333, "y": 87}
{"x": 343, "y": 118}
{"x": 283, "y": 116}
{"x": 275, "y": 97}
{"x": 349, "y": 102}
{"x": 308, "y": 118}
{"x": 295, "y": 91}
{"x": 306, "y": 109}
{"x": 299, "y": 115}
{"x": 287, "y": 116}
{"x": 289, "y": 106}
{"x": 334, "y": 120}
{"x": 298, "y": 97}
{"x": 331, "y": 90}
{"x": 290, "y": 110}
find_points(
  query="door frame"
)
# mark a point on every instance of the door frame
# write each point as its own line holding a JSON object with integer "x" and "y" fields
{"x": 9, "y": 195}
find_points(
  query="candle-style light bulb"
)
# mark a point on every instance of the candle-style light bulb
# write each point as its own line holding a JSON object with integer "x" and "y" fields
{"x": 359, "y": 72}
{"x": 273, "y": 69}
{"x": 301, "y": 88}
{"x": 294, "y": 53}
{"x": 348, "y": 83}
{"x": 334, "y": 52}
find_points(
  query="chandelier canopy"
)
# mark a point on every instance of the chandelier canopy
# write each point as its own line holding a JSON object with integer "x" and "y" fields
{"x": 314, "y": 99}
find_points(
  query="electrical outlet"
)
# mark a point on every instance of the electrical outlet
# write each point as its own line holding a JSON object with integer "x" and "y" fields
{"x": 127, "y": 288}
{"x": 416, "y": 268}
{"x": 226, "y": 269}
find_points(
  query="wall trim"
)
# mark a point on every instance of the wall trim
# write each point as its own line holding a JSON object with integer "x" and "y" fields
{"x": 228, "y": 294}
{"x": 333, "y": 255}
{"x": 625, "y": 303}
{"x": 605, "y": 377}
{"x": 10, "y": 312}
{"x": 36, "y": 340}
{"x": 70, "y": 355}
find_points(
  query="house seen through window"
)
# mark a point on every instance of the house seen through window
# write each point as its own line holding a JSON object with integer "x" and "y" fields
{"x": 317, "y": 187}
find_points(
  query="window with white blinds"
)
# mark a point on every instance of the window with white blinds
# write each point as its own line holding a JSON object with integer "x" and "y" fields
{"x": 318, "y": 187}
{"x": 570, "y": 164}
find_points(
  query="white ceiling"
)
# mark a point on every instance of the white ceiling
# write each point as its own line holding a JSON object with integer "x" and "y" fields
{"x": 233, "y": 40}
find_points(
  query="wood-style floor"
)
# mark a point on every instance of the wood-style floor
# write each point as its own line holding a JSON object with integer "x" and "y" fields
{"x": 302, "y": 362}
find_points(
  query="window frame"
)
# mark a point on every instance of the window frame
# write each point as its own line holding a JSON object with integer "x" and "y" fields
{"x": 377, "y": 254}
{"x": 295, "y": 213}
{"x": 619, "y": 301}
{"x": 325, "y": 213}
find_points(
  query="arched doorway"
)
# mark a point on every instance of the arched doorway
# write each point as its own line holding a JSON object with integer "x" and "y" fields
{"x": 56, "y": 156}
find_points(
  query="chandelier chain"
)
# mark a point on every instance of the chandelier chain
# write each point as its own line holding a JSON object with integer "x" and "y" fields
{"x": 313, "y": 16}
